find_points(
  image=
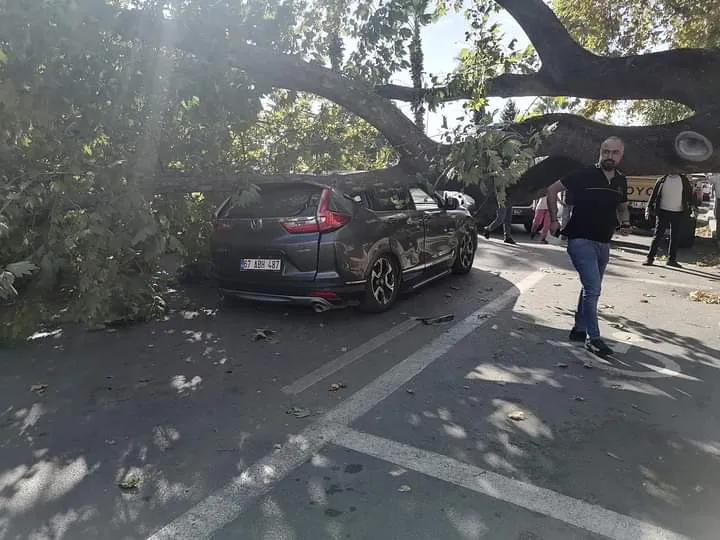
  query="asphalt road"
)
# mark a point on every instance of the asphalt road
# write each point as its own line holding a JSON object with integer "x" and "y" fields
{"x": 344, "y": 425}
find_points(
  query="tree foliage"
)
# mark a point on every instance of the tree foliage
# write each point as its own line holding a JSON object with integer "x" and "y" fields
{"x": 613, "y": 28}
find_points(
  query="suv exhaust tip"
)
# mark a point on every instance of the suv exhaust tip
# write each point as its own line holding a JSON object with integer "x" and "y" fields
{"x": 321, "y": 306}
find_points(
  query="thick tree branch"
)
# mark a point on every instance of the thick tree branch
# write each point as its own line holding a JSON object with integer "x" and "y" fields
{"x": 551, "y": 40}
{"x": 648, "y": 149}
{"x": 570, "y": 70}
{"x": 292, "y": 72}
{"x": 185, "y": 183}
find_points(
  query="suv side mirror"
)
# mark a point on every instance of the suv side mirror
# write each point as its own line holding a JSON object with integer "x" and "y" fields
{"x": 451, "y": 203}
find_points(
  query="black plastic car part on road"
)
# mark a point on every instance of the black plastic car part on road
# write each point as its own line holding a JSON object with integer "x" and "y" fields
{"x": 330, "y": 246}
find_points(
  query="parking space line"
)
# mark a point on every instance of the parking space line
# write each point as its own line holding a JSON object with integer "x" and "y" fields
{"x": 226, "y": 504}
{"x": 324, "y": 371}
{"x": 575, "y": 512}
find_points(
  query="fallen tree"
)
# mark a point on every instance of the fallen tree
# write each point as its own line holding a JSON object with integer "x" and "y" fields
{"x": 687, "y": 76}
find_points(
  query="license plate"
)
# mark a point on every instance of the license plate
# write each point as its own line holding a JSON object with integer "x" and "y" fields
{"x": 517, "y": 211}
{"x": 268, "y": 265}
{"x": 638, "y": 204}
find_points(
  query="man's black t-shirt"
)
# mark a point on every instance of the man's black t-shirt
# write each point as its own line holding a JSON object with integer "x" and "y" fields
{"x": 595, "y": 200}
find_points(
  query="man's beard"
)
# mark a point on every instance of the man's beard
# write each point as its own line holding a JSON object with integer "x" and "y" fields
{"x": 607, "y": 164}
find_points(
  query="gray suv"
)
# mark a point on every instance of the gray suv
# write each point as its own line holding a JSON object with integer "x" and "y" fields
{"x": 339, "y": 244}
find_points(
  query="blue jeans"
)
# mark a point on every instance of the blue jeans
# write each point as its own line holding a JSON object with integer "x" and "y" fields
{"x": 590, "y": 259}
{"x": 503, "y": 216}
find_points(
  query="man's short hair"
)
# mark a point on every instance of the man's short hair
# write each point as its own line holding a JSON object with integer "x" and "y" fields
{"x": 615, "y": 138}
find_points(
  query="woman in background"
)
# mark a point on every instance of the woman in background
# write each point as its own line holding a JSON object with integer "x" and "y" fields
{"x": 541, "y": 222}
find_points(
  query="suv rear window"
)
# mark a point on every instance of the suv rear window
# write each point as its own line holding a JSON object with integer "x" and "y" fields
{"x": 282, "y": 200}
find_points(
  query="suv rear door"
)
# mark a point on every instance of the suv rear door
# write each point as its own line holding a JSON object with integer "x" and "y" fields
{"x": 273, "y": 238}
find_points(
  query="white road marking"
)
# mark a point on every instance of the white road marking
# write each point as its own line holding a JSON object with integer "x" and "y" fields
{"x": 348, "y": 358}
{"x": 580, "y": 514}
{"x": 372, "y": 394}
{"x": 226, "y": 504}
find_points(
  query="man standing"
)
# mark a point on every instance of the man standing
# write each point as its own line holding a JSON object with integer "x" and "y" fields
{"x": 671, "y": 202}
{"x": 503, "y": 216}
{"x": 599, "y": 196}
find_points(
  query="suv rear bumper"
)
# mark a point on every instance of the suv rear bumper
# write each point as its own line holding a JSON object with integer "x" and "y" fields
{"x": 317, "y": 295}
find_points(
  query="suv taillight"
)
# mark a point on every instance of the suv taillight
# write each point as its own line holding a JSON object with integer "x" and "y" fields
{"x": 325, "y": 221}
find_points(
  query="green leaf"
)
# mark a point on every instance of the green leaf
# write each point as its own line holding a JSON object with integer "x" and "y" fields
{"x": 22, "y": 268}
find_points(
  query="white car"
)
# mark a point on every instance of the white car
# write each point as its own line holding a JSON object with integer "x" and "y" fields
{"x": 465, "y": 200}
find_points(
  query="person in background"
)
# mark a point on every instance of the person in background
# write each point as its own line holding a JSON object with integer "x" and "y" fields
{"x": 503, "y": 217}
{"x": 541, "y": 221}
{"x": 599, "y": 196}
{"x": 671, "y": 201}
{"x": 714, "y": 179}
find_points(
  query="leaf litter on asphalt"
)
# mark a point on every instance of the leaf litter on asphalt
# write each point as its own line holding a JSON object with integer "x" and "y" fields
{"x": 436, "y": 320}
{"x": 334, "y": 387}
{"x": 130, "y": 481}
{"x": 517, "y": 416}
{"x": 263, "y": 334}
{"x": 39, "y": 389}
{"x": 299, "y": 412}
{"x": 705, "y": 297}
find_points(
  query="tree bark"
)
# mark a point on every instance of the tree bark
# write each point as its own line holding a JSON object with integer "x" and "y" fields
{"x": 648, "y": 149}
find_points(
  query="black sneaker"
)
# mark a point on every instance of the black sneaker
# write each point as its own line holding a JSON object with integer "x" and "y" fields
{"x": 598, "y": 346}
{"x": 674, "y": 264}
{"x": 486, "y": 233}
{"x": 648, "y": 262}
{"x": 509, "y": 240}
{"x": 578, "y": 335}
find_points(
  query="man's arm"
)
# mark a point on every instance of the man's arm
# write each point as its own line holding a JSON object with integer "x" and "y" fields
{"x": 552, "y": 198}
{"x": 623, "y": 211}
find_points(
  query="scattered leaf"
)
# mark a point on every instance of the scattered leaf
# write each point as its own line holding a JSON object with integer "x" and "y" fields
{"x": 579, "y": 398}
{"x": 39, "y": 389}
{"x": 334, "y": 387}
{"x": 404, "y": 488}
{"x": 614, "y": 456}
{"x": 648, "y": 295}
{"x": 607, "y": 306}
{"x": 343, "y": 349}
{"x": 436, "y": 320}
{"x": 299, "y": 412}
{"x": 561, "y": 365}
{"x": 410, "y": 391}
{"x": 277, "y": 446}
{"x": 557, "y": 284}
{"x": 644, "y": 302}
{"x": 639, "y": 409}
{"x": 262, "y": 334}
{"x": 131, "y": 481}
{"x": 587, "y": 365}
{"x": 448, "y": 295}
{"x": 705, "y": 297}
{"x": 517, "y": 416}
{"x": 454, "y": 287}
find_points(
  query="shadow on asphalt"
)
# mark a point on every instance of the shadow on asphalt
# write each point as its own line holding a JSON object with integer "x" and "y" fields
{"x": 182, "y": 405}
{"x": 648, "y": 448}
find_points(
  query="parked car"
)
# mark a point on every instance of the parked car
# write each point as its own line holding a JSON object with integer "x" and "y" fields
{"x": 523, "y": 214}
{"x": 337, "y": 244}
